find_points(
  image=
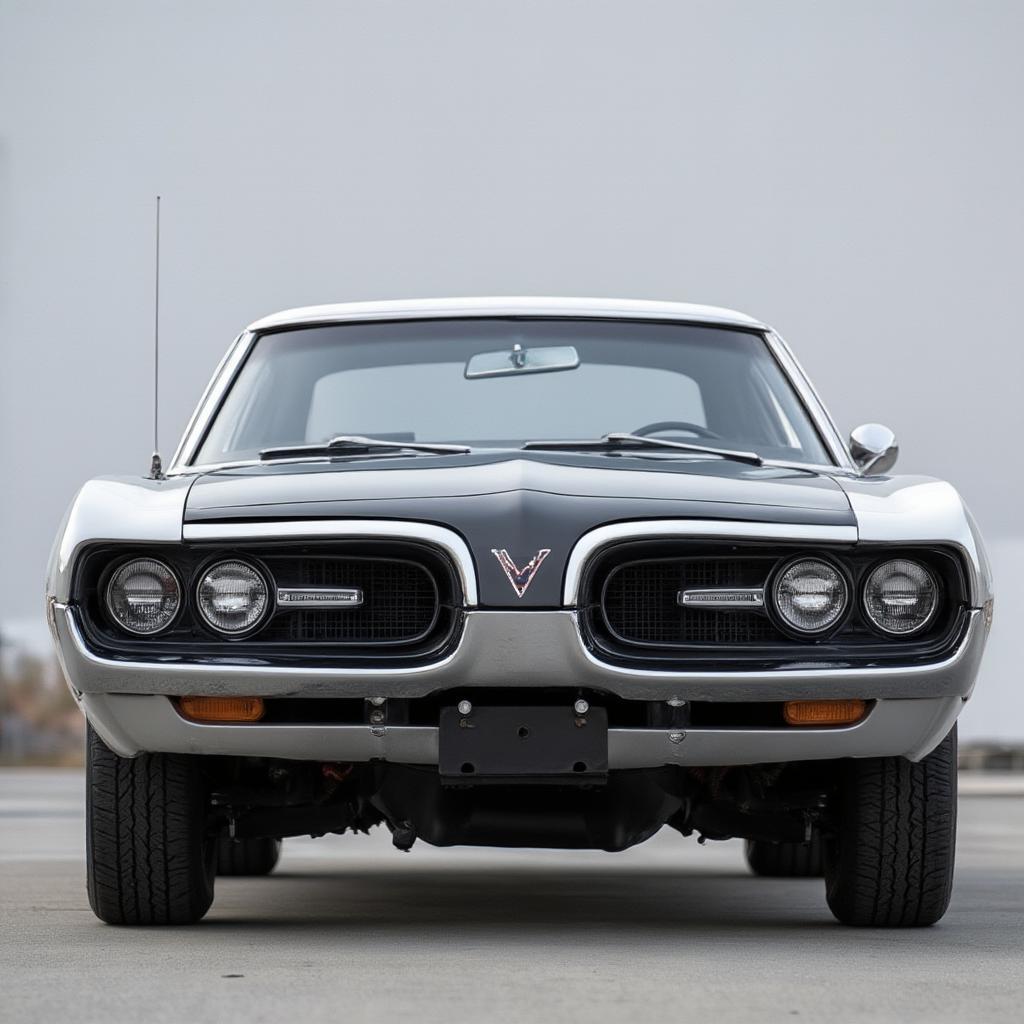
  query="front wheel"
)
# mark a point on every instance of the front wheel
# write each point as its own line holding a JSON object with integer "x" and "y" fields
{"x": 889, "y": 862}
{"x": 149, "y": 859}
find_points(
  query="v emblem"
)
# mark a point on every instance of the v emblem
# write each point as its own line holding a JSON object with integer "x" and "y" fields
{"x": 520, "y": 578}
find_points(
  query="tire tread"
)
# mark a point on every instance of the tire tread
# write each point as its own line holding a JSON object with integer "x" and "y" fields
{"x": 146, "y": 849}
{"x": 891, "y": 861}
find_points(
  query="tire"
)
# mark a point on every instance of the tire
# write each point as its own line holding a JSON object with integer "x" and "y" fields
{"x": 786, "y": 860}
{"x": 890, "y": 862}
{"x": 247, "y": 856}
{"x": 148, "y": 857}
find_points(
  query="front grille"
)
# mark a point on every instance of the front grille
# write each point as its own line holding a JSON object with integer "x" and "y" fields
{"x": 411, "y": 611}
{"x": 640, "y": 604}
{"x": 629, "y": 610}
{"x": 400, "y": 601}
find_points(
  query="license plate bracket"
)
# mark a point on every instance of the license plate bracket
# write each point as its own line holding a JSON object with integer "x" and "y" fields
{"x": 551, "y": 743}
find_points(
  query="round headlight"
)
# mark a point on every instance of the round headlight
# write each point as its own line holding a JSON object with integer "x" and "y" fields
{"x": 232, "y": 597}
{"x": 143, "y": 596}
{"x": 810, "y": 596}
{"x": 900, "y": 597}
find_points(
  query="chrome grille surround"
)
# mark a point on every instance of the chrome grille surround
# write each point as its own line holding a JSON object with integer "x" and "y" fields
{"x": 628, "y": 591}
{"x": 410, "y": 612}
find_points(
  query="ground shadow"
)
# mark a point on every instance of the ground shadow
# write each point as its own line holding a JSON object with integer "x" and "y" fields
{"x": 518, "y": 901}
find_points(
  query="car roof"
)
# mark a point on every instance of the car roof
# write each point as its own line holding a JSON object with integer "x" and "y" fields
{"x": 416, "y": 309}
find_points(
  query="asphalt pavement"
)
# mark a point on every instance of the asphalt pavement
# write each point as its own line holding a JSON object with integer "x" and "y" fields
{"x": 350, "y": 930}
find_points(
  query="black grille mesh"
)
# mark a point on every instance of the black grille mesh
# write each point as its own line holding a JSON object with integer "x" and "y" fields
{"x": 400, "y": 601}
{"x": 640, "y": 602}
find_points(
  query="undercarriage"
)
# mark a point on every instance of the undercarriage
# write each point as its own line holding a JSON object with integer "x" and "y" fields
{"x": 255, "y": 798}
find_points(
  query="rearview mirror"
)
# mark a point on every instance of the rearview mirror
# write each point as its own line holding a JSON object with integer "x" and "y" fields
{"x": 520, "y": 359}
{"x": 874, "y": 448}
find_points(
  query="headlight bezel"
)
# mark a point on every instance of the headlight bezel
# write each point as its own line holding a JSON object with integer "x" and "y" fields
{"x": 115, "y": 570}
{"x": 869, "y": 619}
{"x": 190, "y": 640}
{"x": 228, "y": 558}
{"x": 783, "y": 624}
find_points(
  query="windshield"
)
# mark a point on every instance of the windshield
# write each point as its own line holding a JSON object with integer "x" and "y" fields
{"x": 422, "y": 381}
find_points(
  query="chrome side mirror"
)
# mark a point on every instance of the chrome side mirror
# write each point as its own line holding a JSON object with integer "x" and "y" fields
{"x": 874, "y": 448}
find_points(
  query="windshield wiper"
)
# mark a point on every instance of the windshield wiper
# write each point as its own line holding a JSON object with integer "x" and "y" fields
{"x": 351, "y": 444}
{"x": 619, "y": 441}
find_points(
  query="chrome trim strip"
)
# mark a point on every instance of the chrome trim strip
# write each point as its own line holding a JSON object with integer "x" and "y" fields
{"x": 722, "y": 598}
{"x": 347, "y": 529}
{"x": 515, "y": 648}
{"x": 684, "y": 529}
{"x": 132, "y": 724}
{"x": 319, "y": 597}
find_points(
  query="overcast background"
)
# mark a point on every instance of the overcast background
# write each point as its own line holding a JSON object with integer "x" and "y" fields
{"x": 851, "y": 173}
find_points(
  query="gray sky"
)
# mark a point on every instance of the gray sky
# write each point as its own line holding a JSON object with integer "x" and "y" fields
{"x": 851, "y": 173}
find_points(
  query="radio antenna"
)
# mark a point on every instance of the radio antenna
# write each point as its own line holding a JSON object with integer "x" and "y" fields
{"x": 156, "y": 466}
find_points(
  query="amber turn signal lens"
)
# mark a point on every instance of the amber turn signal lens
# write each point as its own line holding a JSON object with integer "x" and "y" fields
{"x": 222, "y": 709}
{"x": 824, "y": 712}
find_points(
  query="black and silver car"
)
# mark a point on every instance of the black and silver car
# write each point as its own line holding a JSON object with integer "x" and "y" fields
{"x": 520, "y": 572}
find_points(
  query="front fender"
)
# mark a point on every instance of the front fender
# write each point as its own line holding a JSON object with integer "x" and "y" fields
{"x": 115, "y": 509}
{"x": 920, "y": 509}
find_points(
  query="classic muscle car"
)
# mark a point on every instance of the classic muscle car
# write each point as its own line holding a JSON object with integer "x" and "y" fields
{"x": 520, "y": 572}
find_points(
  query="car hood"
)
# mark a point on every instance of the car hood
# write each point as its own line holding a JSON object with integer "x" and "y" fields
{"x": 278, "y": 488}
{"x": 519, "y": 501}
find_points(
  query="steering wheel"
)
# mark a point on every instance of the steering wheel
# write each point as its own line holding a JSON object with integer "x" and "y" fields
{"x": 679, "y": 426}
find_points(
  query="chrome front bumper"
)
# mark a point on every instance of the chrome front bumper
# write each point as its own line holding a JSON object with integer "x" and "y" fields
{"x": 133, "y": 724}
{"x": 127, "y": 701}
